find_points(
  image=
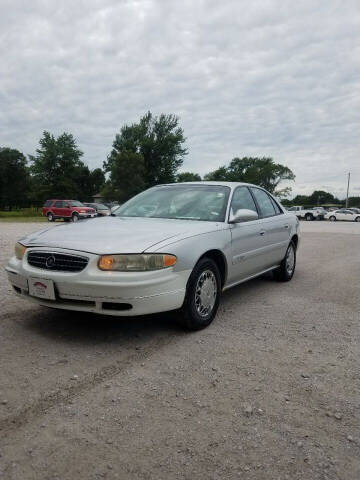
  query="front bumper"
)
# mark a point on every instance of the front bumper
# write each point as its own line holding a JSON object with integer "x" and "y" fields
{"x": 107, "y": 293}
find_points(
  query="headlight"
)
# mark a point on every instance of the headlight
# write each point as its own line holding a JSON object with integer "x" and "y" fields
{"x": 19, "y": 250}
{"x": 136, "y": 263}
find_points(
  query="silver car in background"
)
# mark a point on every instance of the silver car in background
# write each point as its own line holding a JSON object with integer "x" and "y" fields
{"x": 172, "y": 247}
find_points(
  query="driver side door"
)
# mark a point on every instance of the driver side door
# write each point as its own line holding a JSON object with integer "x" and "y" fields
{"x": 247, "y": 246}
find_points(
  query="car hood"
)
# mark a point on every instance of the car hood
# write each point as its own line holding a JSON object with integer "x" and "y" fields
{"x": 117, "y": 234}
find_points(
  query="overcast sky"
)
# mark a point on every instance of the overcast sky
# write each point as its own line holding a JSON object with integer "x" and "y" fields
{"x": 279, "y": 78}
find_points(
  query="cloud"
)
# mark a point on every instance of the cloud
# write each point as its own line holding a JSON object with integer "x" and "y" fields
{"x": 246, "y": 78}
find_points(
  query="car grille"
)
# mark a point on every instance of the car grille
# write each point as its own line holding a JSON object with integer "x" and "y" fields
{"x": 59, "y": 262}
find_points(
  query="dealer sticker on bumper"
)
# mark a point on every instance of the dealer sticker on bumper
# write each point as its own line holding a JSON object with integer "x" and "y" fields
{"x": 39, "y": 287}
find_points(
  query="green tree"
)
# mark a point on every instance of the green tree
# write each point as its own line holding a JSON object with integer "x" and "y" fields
{"x": 259, "y": 171}
{"x": 58, "y": 171}
{"x": 127, "y": 176}
{"x": 158, "y": 141}
{"x": 89, "y": 182}
{"x": 319, "y": 197}
{"x": 188, "y": 177}
{"x": 354, "y": 201}
{"x": 301, "y": 200}
{"x": 14, "y": 178}
{"x": 97, "y": 181}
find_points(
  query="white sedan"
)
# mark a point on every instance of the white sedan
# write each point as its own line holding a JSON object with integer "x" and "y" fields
{"x": 343, "y": 214}
{"x": 172, "y": 247}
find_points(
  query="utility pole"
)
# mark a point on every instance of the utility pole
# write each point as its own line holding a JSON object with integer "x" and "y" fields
{"x": 347, "y": 192}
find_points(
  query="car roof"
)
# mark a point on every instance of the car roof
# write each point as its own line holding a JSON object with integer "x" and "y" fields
{"x": 231, "y": 185}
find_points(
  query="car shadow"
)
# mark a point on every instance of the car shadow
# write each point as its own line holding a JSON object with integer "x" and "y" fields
{"x": 87, "y": 328}
{"x": 250, "y": 287}
{"x": 70, "y": 326}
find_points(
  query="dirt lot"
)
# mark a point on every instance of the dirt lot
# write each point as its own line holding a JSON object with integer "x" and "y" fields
{"x": 269, "y": 391}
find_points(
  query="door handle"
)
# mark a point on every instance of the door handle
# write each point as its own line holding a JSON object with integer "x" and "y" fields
{"x": 286, "y": 226}
{"x": 262, "y": 233}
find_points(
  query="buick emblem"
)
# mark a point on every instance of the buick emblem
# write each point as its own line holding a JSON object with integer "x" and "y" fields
{"x": 50, "y": 261}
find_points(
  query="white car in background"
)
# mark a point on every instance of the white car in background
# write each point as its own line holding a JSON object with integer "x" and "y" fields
{"x": 343, "y": 214}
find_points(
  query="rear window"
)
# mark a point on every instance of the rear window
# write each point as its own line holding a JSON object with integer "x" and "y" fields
{"x": 48, "y": 203}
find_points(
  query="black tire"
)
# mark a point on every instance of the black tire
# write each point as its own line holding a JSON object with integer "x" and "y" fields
{"x": 282, "y": 273}
{"x": 332, "y": 218}
{"x": 75, "y": 217}
{"x": 189, "y": 316}
{"x": 309, "y": 217}
{"x": 50, "y": 217}
{"x": 357, "y": 219}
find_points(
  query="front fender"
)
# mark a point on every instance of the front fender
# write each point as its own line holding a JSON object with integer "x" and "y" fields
{"x": 189, "y": 250}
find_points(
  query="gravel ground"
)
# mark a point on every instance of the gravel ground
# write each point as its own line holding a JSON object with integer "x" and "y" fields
{"x": 269, "y": 391}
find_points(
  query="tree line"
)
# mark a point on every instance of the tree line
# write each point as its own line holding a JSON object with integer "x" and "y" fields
{"x": 143, "y": 154}
{"x": 320, "y": 197}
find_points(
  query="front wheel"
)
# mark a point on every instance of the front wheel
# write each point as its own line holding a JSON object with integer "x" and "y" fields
{"x": 357, "y": 219}
{"x": 75, "y": 217}
{"x": 202, "y": 296}
{"x": 332, "y": 218}
{"x": 286, "y": 271}
{"x": 309, "y": 217}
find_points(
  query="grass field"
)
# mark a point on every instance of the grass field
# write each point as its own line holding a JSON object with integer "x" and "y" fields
{"x": 22, "y": 215}
{"x": 22, "y": 219}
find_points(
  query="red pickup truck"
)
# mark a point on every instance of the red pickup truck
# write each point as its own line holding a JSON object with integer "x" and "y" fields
{"x": 67, "y": 209}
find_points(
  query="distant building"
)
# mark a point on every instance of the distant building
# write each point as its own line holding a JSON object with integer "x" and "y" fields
{"x": 98, "y": 198}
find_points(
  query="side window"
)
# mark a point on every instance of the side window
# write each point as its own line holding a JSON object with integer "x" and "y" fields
{"x": 264, "y": 201}
{"x": 292, "y": 209}
{"x": 47, "y": 203}
{"x": 242, "y": 199}
{"x": 58, "y": 204}
{"x": 276, "y": 206}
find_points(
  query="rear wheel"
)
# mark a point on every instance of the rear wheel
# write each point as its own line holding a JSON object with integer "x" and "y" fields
{"x": 75, "y": 217}
{"x": 287, "y": 267}
{"x": 309, "y": 217}
{"x": 332, "y": 218}
{"x": 50, "y": 217}
{"x": 357, "y": 219}
{"x": 202, "y": 296}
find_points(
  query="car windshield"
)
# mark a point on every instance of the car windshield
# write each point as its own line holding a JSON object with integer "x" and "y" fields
{"x": 100, "y": 206}
{"x": 182, "y": 202}
{"x": 76, "y": 203}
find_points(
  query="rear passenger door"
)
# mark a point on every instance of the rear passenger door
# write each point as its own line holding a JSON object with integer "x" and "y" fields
{"x": 275, "y": 227}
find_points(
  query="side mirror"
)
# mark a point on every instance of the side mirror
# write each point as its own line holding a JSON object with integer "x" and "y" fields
{"x": 243, "y": 215}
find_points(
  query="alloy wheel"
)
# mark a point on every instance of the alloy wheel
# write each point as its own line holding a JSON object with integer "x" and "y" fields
{"x": 290, "y": 260}
{"x": 205, "y": 293}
